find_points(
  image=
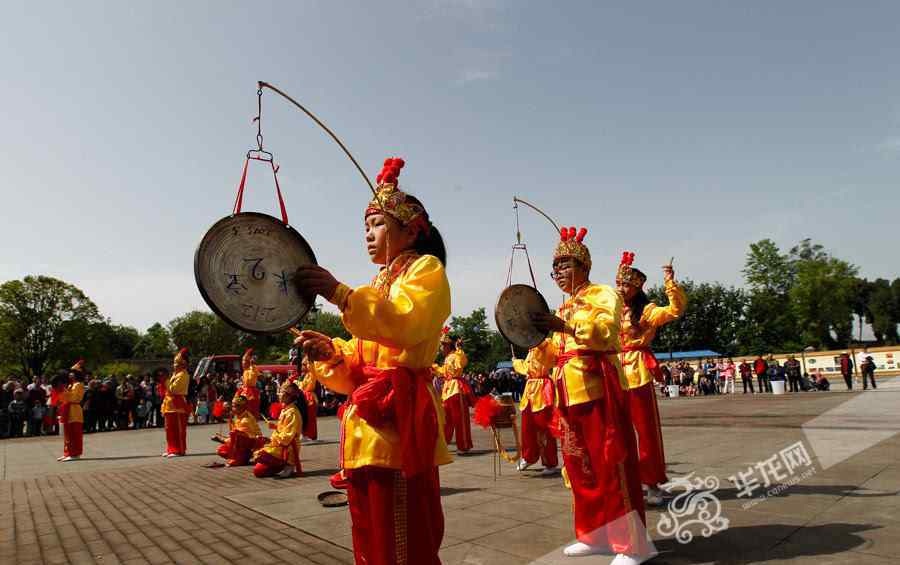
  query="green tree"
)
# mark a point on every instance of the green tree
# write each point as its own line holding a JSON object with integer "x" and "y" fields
{"x": 822, "y": 297}
{"x": 881, "y": 311}
{"x": 325, "y": 322}
{"x": 712, "y": 319}
{"x": 37, "y": 316}
{"x": 155, "y": 343}
{"x": 204, "y": 333}
{"x": 480, "y": 343}
{"x": 769, "y": 323}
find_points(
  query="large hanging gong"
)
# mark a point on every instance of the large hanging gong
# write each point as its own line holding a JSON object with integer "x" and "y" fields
{"x": 513, "y": 315}
{"x": 244, "y": 268}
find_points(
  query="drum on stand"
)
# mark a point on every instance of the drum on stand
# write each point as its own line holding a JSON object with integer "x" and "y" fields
{"x": 513, "y": 313}
{"x": 244, "y": 268}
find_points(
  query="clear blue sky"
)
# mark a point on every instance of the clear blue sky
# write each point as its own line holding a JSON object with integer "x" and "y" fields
{"x": 685, "y": 129}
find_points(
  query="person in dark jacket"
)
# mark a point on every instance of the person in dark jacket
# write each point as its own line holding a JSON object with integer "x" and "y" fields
{"x": 847, "y": 370}
{"x": 792, "y": 369}
{"x": 868, "y": 372}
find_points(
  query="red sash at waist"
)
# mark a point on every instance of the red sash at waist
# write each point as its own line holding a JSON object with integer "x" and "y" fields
{"x": 400, "y": 395}
{"x": 649, "y": 360}
{"x": 616, "y": 422}
{"x": 179, "y": 402}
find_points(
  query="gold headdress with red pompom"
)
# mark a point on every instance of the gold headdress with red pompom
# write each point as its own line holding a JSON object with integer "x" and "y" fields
{"x": 391, "y": 200}
{"x": 571, "y": 245}
{"x": 445, "y": 335}
{"x": 181, "y": 360}
{"x": 626, "y": 274}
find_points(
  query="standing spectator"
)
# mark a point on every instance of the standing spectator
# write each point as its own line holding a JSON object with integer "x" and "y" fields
{"x": 36, "y": 391}
{"x": 847, "y": 369}
{"x": 161, "y": 376}
{"x": 728, "y": 371}
{"x": 18, "y": 413}
{"x": 124, "y": 396}
{"x": 91, "y": 401}
{"x": 37, "y": 418}
{"x": 868, "y": 372}
{"x": 141, "y": 413}
{"x": 792, "y": 369}
{"x": 746, "y": 376}
{"x": 760, "y": 367}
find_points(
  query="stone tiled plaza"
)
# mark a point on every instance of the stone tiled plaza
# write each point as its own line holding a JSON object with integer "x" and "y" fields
{"x": 122, "y": 503}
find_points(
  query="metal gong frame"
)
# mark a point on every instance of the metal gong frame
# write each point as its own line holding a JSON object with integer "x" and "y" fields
{"x": 212, "y": 295}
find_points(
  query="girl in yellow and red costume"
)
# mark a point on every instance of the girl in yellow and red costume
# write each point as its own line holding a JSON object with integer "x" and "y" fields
{"x": 640, "y": 321}
{"x": 456, "y": 394}
{"x": 175, "y": 407}
{"x": 248, "y": 387}
{"x": 71, "y": 416}
{"x": 244, "y": 436}
{"x": 392, "y": 437}
{"x": 281, "y": 456}
{"x": 537, "y": 406}
{"x": 598, "y": 444}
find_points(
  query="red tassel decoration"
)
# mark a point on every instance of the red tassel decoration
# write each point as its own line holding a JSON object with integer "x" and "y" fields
{"x": 486, "y": 411}
{"x": 581, "y": 233}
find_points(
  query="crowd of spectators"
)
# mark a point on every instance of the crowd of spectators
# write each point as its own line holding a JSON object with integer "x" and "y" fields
{"x": 719, "y": 376}
{"x": 130, "y": 402}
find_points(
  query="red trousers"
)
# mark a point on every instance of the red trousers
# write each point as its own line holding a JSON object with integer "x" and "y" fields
{"x": 608, "y": 501}
{"x": 457, "y": 410}
{"x": 645, "y": 416}
{"x": 72, "y": 439}
{"x": 267, "y": 465}
{"x": 396, "y": 521}
{"x": 537, "y": 441}
{"x": 239, "y": 448}
{"x": 176, "y": 432}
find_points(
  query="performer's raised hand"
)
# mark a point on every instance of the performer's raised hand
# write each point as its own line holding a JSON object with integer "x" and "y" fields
{"x": 668, "y": 273}
{"x": 315, "y": 345}
{"x": 315, "y": 280}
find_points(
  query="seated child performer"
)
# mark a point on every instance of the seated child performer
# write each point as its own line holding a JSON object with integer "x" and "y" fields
{"x": 392, "y": 437}
{"x": 281, "y": 456}
{"x": 248, "y": 388}
{"x": 456, "y": 394}
{"x": 537, "y": 406}
{"x": 244, "y": 436}
{"x": 71, "y": 416}
{"x": 640, "y": 321}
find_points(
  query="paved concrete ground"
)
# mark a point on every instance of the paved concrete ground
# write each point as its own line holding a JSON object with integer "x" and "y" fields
{"x": 124, "y": 504}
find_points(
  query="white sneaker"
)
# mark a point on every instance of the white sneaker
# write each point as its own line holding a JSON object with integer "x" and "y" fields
{"x": 579, "y": 549}
{"x": 66, "y": 459}
{"x": 654, "y": 497}
{"x": 622, "y": 559}
{"x": 549, "y": 471}
{"x": 522, "y": 465}
{"x": 287, "y": 472}
{"x": 61, "y": 458}
{"x": 170, "y": 455}
{"x": 164, "y": 454}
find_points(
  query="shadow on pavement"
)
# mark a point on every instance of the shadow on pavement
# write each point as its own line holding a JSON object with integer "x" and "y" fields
{"x": 754, "y": 544}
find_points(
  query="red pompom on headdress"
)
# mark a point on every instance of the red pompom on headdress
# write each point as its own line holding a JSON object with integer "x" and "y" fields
{"x": 571, "y": 244}
{"x": 626, "y": 274}
{"x": 391, "y": 200}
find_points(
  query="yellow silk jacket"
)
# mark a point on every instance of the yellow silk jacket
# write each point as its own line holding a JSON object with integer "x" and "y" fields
{"x": 246, "y": 423}
{"x": 72, "y": 396}
{"x": 287, "y": 432}
{"x": 533, "y": 395}
{"x": 653, "y": 318}
{"x": 452, "y": 370}
{"x": 396, "y": 322}
{"x": 177, "y": 385}
{"x": 594, "y": 313}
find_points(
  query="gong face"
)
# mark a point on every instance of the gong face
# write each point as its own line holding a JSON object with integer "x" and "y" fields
{"x": 244, "y": 268}
{"x": 512, "y": 315}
